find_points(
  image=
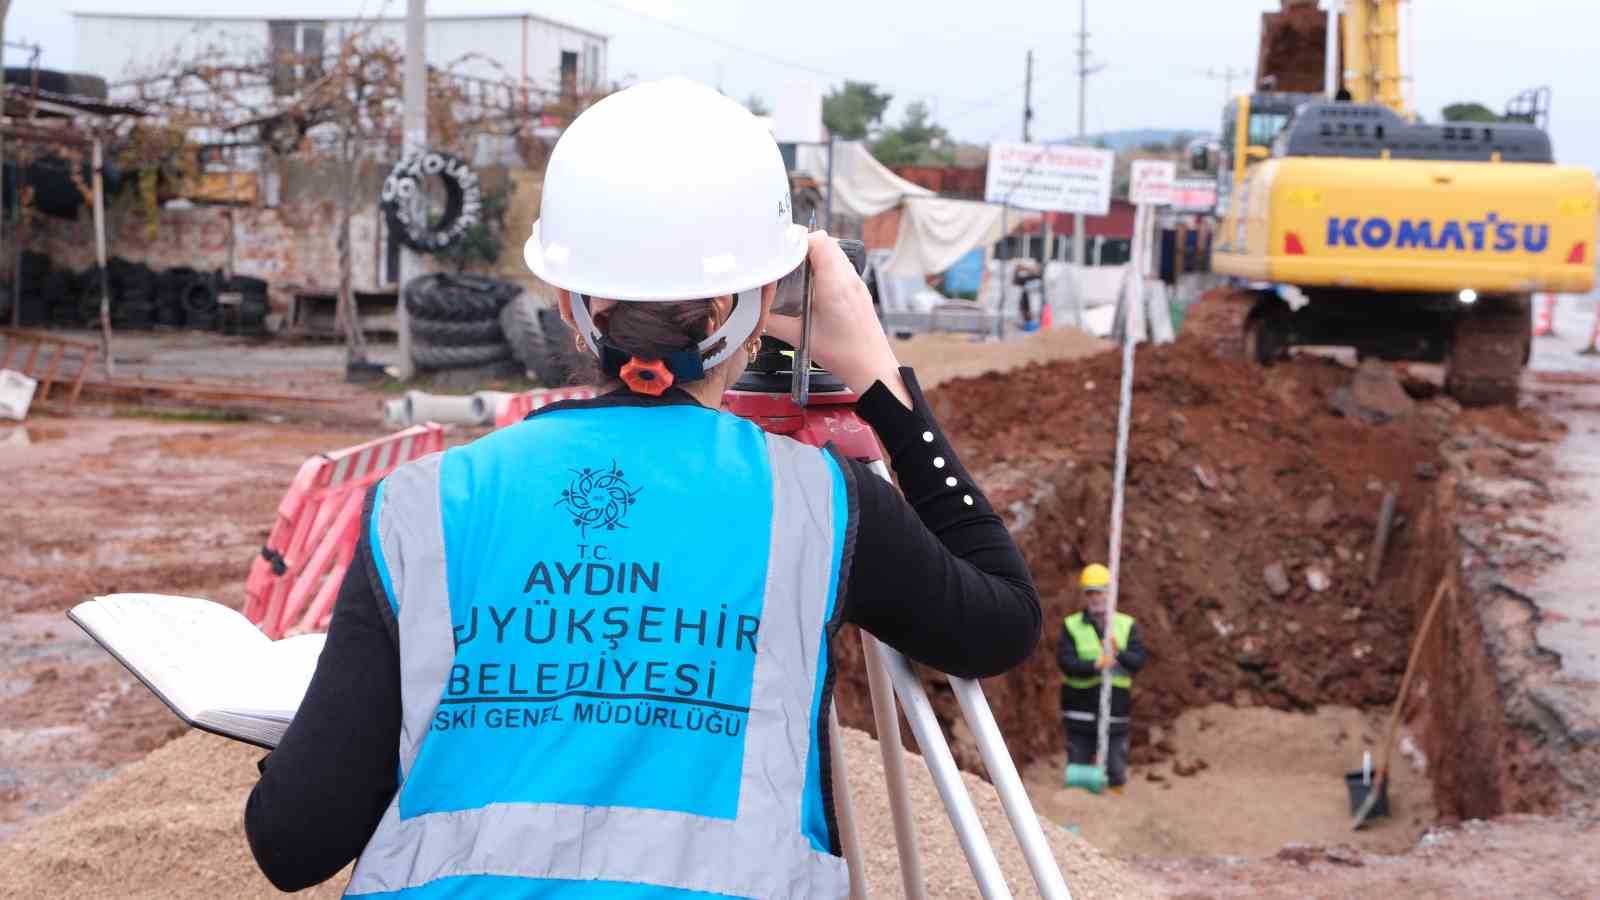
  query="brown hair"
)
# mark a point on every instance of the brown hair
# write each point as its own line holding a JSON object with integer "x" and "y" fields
{"x": 650, "y": 331}
{"x": 656, "y": 330}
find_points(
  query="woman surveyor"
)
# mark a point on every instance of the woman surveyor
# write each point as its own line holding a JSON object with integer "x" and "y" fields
{"x": 590, "y": 654}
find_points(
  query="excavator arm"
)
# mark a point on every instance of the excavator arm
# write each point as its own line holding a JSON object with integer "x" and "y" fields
{"x": 1372, "y": 72}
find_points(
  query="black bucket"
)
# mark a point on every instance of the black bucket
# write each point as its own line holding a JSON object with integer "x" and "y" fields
{"x": 1354, "y": 782}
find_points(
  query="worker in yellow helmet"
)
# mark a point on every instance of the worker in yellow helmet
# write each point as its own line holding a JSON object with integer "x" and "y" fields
{"x": 1082, "y": 656}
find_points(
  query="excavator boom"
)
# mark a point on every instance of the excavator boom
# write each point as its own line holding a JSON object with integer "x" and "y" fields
{"x": 1372, "y": 69}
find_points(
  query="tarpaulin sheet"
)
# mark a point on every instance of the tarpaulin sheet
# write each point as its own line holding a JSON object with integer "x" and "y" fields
{"x": 935, "y": 233}
{"x": 862, "y": 186}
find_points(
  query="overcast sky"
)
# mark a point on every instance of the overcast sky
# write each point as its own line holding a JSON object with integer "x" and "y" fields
{"x": 965, "y": 59}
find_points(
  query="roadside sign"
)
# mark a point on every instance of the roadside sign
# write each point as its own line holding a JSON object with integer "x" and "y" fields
{"x": 1151, "y": 182}
{"x": 1194, "y": 195}
{"x": 1050, "y": 178}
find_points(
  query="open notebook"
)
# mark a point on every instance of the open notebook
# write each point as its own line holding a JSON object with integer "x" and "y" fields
{"x": 206, "y": 661}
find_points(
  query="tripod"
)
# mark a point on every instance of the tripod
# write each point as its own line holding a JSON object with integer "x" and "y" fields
{"x": 825, "y": 412}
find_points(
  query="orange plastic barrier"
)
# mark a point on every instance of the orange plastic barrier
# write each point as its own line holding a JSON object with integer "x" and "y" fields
{"x": 518, "y": 407}
{"x": 293, "y": 582}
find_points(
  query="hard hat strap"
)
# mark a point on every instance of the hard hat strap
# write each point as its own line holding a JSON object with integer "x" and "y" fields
{"x": 732, "y": 335}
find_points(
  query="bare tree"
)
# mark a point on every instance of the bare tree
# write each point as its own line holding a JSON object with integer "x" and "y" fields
{"x": 343, "y": 108}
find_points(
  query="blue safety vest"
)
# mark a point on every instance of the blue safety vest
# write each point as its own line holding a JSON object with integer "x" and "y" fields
{"x": 614, "y": 624}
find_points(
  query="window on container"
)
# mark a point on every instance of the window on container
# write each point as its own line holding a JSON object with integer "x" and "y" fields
{"x": 569, "y": 72}
{"x": 281, "y": 49}
{"x": 311, "y": 51}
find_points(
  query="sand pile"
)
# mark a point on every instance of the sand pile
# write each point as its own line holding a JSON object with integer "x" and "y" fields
{"x": 171, "y": 826}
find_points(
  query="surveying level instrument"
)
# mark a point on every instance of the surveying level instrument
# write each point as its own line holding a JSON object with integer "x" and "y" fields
{"x": 784, "y": 394}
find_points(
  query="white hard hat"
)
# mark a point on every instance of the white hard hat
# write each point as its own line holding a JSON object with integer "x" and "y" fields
{"x": 666, "y": 191}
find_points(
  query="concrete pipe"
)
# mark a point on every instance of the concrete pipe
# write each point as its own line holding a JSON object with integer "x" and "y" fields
{"x": 396, "y": 413}
{"x": 488, "y": 404}
{"x": 445, "y": 410}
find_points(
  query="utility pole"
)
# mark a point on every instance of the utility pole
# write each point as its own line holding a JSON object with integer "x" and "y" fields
{"x": 416, "y": 140}
{"x": 1084, "y": 71}
{"x": 5, "y": 9}
{"x": 1226, "y": 76}
{"x": 1027, "y": 102}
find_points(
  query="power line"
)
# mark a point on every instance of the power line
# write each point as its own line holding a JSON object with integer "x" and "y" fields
{"x": 962, "y": 110}
{"x": 724, "y": 42}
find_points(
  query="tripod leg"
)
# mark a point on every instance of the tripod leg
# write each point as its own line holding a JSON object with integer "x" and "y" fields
{"x": 947, "y": 778}
{"x": 844, "y": 812}
{"x": 894, "y": 770}
{"x": 1008, "y": 785}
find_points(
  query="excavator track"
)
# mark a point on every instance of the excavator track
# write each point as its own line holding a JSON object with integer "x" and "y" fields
{"x": 1217, "y": 321}
{"x": 1487, "y": 350}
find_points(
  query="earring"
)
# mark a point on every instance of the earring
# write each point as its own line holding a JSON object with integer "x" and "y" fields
{"x": 583, "y": 345}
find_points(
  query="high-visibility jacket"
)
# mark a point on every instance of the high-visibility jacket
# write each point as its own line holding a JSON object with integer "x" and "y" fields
{"x": 1090, "y": 646}
{"x": 1080, "y": 695}
{"x": 613, "y": 625}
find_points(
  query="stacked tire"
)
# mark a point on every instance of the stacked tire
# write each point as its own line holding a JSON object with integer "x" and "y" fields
{"x": 253, "y": 305}
{"x": 58, "y": 290}
{"x": 134, "y": 295}
{"x": 87, "y": 296}
{"x": 455, "y": 320}
{"x": 541, "y": 342}
{"x": 35, "y": 306}
{"x": 199, "y": 302}
{"x": 170, "y": 287}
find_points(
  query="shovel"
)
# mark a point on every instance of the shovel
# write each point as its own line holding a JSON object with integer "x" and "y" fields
{"x": 1377, "y": 790}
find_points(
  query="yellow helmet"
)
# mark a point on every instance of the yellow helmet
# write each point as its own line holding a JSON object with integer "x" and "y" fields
{"x": 1095, "y": 577}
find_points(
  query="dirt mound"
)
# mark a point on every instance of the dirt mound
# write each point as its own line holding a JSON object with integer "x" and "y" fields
{"x": 171, "y": 826}
{"x": 1250, "y": 513}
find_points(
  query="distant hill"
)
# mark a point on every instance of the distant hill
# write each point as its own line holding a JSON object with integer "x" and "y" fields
{"x": 1134, "y": 138}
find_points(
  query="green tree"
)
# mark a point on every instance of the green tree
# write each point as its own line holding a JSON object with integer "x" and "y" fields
{"x": 850, "y": 111}
{"x": 916, "y": 141}
{"x": 1469, "y": 112}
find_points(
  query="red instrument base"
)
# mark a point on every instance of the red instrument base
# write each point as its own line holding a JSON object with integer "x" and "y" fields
{"x": 828, "y": 417}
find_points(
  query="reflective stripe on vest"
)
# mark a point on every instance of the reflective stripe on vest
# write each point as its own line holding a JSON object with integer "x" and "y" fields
{"x": 761, "y": 848}
{"x": 1089, "y": 646}
{"x": 1075, "y": 716}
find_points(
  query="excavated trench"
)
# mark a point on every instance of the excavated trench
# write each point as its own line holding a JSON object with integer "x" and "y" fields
{"x": 1249, "y": 533}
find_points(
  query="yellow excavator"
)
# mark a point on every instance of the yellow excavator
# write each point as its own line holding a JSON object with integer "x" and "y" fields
{"x": 1346, "y": 222}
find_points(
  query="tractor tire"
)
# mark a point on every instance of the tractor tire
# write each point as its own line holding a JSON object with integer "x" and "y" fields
{"x": 429, "y": 356}
{"x": 457, "y": 334}
{"x": 1487, "y": 352}
{"x": 450, "y": 298}
{"x": 463, "y": 207}
{"x": 199, "y": 298}
{"x": 540, "y": 340}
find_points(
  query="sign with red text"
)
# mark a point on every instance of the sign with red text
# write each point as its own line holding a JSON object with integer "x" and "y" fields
{"x": 1050, "y": 178}
{"x": 1150, "y": 182}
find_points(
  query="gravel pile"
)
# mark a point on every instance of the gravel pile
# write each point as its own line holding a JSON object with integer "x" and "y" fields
{"x": 170, "y": 826}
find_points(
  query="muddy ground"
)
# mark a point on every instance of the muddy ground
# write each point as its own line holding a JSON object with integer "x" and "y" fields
{"x": 99, "y": 505}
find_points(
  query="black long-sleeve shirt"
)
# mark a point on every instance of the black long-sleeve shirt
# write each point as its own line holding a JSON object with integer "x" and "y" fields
{"x": 935, "y": 575}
